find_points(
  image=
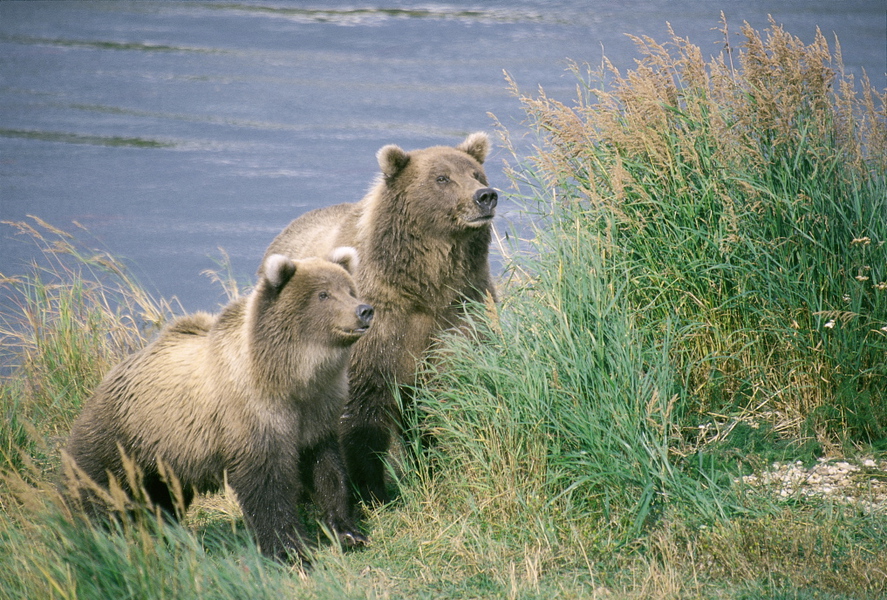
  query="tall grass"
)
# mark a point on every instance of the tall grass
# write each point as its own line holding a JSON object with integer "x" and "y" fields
{"x": 744, "y": 211}
{"x": 61, "y": 328}
{"x": 58, "y": 555}
{"x": 705, "y": 292}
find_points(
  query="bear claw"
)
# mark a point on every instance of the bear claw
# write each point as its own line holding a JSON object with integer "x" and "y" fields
{"x": 352, "y": 539}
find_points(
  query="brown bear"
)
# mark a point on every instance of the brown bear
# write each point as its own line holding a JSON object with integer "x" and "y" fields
{"x": 423, "y": 233}
{"x": 253, "y": 394}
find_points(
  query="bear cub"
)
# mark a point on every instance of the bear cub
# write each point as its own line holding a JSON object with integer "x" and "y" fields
{"x": 253, "y": 394}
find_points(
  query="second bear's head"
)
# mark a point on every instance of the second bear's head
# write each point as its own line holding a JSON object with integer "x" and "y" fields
{"x": 443, "y": 188}
{"x": 312, "y": 302}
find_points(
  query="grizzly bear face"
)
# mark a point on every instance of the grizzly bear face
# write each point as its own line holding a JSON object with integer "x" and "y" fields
{"x": 311, "y": 301}
{"x": 442, "y": 188}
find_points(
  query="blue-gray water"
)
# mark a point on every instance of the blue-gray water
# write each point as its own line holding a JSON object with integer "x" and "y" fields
{"x": 171, "y": 130}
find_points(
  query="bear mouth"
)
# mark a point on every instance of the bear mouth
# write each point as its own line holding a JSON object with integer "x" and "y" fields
{"x": 354, "y": 333}
{"x": 479, "y": 221}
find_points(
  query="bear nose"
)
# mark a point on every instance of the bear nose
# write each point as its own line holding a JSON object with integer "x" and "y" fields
{"x": 365, "y": 314}
{"x": 486, "y": 199}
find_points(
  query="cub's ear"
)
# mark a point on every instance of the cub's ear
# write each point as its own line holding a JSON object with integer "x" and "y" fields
{"x": 346, "y": 256}
{"x": 278, "y": 270}
{"x": 476, "y": 145}
{"x": 392, "y": 160}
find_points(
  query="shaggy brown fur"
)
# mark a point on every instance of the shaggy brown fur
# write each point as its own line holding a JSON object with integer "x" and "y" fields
{"x": 423, "y": 234}
{"x": 255, "y": 393}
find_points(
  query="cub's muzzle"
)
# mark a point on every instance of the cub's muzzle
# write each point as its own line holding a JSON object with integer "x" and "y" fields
{"x": 365, "y": 315}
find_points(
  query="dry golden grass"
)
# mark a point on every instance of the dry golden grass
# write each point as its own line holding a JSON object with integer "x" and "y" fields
{"x": 747, "y": 109}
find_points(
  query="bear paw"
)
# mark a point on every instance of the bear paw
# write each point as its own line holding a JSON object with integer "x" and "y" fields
{"x": 353, "y": 539}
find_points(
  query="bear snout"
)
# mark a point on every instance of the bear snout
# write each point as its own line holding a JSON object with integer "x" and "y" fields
{"x": 486, "y": 199}
{"x": 365, "y": 315}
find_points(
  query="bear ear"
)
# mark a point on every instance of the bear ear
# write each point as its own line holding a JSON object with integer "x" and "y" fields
{"x": 477, "y": 145}
{"x": 346, "y": 257}
{"x": 392, "y": 160}
{"x": 278, "y": 270}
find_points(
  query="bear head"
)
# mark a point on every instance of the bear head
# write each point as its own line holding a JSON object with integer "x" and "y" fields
{"x": 443, "y": 188}
{"x": 312, "y": 302}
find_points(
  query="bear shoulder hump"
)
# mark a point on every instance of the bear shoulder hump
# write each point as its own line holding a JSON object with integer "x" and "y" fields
{"x": 198, "y": 323}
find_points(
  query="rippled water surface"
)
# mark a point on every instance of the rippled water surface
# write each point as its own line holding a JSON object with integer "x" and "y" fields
{"x": 171, "y": 130}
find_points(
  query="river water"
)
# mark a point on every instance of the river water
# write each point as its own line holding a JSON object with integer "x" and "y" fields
{"x": 171, "y": 130}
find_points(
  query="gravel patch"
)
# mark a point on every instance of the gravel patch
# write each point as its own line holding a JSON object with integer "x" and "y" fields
{"x": 862, "y": 483}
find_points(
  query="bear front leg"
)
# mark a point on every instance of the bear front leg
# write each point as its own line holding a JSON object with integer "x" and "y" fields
{"x": 364, "y": 447}
{"x": 268, "y": 493}
{"x": 323, "y": 472}
{"x": 371, "y": 416}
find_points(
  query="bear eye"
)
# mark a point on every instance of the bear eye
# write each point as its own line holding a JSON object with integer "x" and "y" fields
{"x": 323, "y": 295}
{"x": 443, "y": 179}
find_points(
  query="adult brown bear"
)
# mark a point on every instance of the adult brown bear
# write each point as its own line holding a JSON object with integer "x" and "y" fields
{"x": 254, "y": 393}
{"x": 423, "y": 233}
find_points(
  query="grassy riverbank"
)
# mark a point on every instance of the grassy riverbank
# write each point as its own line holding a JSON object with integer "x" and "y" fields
{"x": 705, "y": 293}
